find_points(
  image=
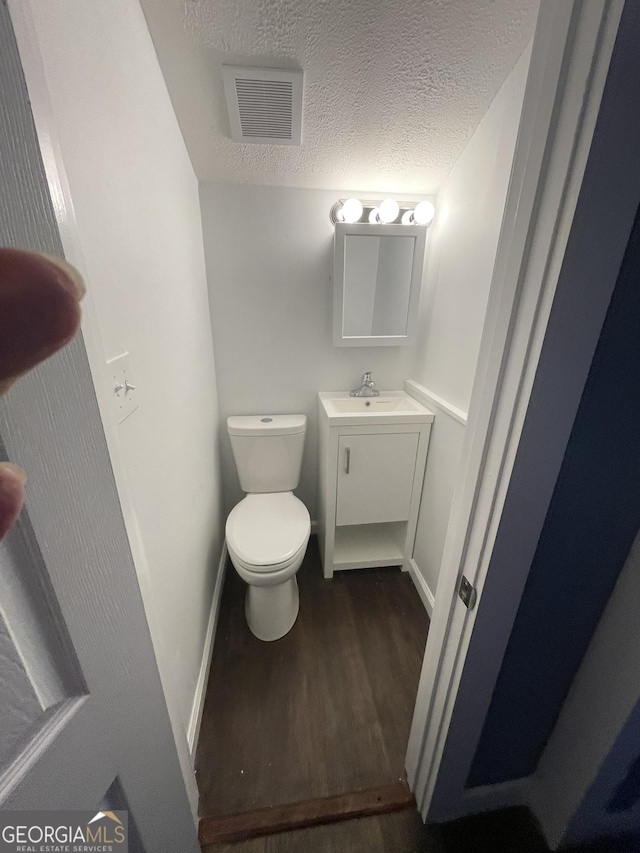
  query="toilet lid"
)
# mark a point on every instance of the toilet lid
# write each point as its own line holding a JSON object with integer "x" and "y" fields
{"x": 267, "y": 529}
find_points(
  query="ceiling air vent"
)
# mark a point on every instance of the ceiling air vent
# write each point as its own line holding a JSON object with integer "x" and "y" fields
{"x": 264, "y": 105}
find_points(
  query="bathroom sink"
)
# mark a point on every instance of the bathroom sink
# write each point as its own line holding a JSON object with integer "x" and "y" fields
{"x": 390, "y": 407}
{"x": 374, "y": 404}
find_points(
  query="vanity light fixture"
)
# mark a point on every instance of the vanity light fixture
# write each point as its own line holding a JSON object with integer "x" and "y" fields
{"x": 422, "y": 215}
{"x": 351, "y": 211}
{"x": 386, "y": 212}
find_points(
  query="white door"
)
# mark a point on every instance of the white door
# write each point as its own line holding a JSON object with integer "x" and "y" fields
{"x": 518, "y": 430}
{"x": 375, "y": 477}
{"x": 83, "y": 721}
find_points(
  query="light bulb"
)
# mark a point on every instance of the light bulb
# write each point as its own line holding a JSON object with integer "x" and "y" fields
{"x": 373, "y": 215}
{"x": 389, "y": 210}
{"x": 351, "y": 210}
{"x": 407, "y": 217}
{"x": 424, "y": 213}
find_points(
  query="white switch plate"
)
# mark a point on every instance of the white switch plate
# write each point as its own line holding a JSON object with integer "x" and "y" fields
{"x": 124, "y": 390}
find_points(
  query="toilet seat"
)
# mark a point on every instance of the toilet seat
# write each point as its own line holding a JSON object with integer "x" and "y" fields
{"x": 266, "y": 532}
{"x": 271, "y": 574}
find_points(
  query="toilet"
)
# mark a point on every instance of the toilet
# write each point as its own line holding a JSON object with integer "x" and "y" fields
{"x": 268, "y": 531}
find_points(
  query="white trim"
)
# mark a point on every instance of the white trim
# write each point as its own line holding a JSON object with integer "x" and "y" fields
{"x": 428, "y": 398}
{"x": 569, "y": 64}
{"x": 195, "y": 721}
{"x": 422, "y": 586}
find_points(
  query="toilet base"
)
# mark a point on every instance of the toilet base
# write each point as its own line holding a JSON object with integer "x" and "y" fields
{"x": 271, "y": 611}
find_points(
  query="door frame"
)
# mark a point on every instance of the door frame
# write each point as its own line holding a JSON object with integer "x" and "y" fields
{"x": 570, "y": 60}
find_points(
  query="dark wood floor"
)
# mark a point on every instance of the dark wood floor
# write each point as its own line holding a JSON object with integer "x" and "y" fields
{"x": 510, "y": 831}
{"x": 325, "y": 710}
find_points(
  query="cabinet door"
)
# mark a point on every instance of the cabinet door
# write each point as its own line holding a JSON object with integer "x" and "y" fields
{"x": 375, "y": 477}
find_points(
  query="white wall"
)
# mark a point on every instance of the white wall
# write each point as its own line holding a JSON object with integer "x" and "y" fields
{"x": 445, "y": 445}
{"x": 464, "y": 239}
{"x": 269, "y": 256}
{"x": 137, "y": 236}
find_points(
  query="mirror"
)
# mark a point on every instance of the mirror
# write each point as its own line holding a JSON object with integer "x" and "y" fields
{"x": 377, "y": 275}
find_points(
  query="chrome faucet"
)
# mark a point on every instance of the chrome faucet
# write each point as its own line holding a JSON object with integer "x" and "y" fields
{"x": 367, "y": 387}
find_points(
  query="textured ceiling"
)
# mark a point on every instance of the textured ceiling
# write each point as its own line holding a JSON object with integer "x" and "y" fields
{"x": 393, "y": 88}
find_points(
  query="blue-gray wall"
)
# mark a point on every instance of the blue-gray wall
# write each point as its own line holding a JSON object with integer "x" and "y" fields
{"x": 592, "y": 521}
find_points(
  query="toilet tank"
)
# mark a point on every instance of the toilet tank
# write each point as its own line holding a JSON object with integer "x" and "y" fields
{"x": 267, "y": 450}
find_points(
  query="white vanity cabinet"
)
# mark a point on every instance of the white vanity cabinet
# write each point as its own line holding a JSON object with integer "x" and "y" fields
{"x": 375, "y": 477}
{"x": 372, "y": 458}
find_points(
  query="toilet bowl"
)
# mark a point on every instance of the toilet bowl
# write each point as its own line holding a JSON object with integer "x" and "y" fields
{"x": 267, "y": 536}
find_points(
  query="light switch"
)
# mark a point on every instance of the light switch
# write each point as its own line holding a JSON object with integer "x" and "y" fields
{"x": 124, "y": 390}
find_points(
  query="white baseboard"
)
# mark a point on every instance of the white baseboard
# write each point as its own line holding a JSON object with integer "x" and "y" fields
{"x": 201, "y": 687}
{"x": 422, "y": 586}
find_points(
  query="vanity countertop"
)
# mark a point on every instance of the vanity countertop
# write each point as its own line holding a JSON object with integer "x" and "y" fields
{"x": 391, "y": 407}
